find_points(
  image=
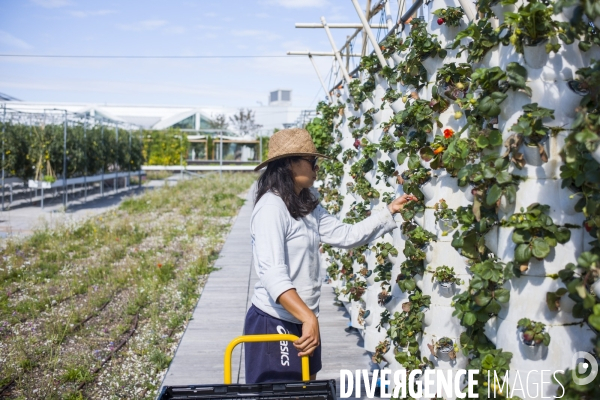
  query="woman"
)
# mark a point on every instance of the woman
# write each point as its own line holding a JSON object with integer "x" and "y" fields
{"x": 287, "y": 226}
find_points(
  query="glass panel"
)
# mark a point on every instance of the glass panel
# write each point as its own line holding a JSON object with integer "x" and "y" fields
{"x": 286, "y": 95}
{"x": 187, "y": 123}
{"x": 274, "y": 96}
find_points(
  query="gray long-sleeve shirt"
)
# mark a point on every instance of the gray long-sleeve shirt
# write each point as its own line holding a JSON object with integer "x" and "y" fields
{"x": 285, "y": 251}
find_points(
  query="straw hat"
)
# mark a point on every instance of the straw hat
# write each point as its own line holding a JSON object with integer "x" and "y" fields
{"x": 290, "y": 142}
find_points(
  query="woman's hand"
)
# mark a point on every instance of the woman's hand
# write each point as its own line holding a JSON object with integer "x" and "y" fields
{"x": 310, "y": 337}
{"x": 397, "y": 205}
{"x": 309, "y": 340}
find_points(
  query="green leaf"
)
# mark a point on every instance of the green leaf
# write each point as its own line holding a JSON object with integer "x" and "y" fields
{"x": 482, "y": 299}
{"x": 503, "y": 177}
{"x": 563, "y": 235}
{"x": 539, "y": 248}
{"x": 594, "y": 321}
{"x": 520, "y": 236}
{"x": 502, "y": 295}
{"x": 493, "y": 195}
{"x": 495, "y": 137}
{"x": 469, "y": 318}
{"x": 482, "y": 142}
{"x": 522, "y": 253}
{"x": 401, "y": 157}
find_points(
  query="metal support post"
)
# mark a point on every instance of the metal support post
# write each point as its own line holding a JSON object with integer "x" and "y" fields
{"x": 3, "y": 131}
{"x": 65, "y": 199}
{"x": 85, "y": 158}
{"x": 369, "y": 32}
{"x": 103, "y": 161}
{"x": 468, "y": 7}
{"x": 319, "y": 75}
{"x": 117, "y": 155}
{"x": 221, "y": 157}
{"x": 388, "y": 16}
{"x": 140, "y": 167}
{"x": 181, "y": 157}
{"x": 338, "y": 57}
{"x": 129, "y": 164}
{"x": 260, "y": 149}
{"x": 42, "y": 197}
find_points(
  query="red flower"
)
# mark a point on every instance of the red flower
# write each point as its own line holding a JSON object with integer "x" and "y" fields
{"x": 159, "y": 265}
{"x": 448, "y": 133}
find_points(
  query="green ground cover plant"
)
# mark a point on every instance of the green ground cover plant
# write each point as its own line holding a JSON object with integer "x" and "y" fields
{"x": 96, "y": 309}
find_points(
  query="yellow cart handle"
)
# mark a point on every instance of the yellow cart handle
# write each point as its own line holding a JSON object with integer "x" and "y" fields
{"x": 274, "y": 337}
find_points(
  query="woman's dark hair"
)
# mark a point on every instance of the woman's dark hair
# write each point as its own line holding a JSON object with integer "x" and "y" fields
{"x": 279, "y": 179}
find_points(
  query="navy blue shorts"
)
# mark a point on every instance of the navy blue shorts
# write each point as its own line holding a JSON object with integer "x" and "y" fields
{"x": 274, "y": 361}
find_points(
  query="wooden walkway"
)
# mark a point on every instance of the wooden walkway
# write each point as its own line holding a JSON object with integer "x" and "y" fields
{"x": 219, "y": 317}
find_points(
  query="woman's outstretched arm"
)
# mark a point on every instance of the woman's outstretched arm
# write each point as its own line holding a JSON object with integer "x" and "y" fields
{"x": 339, "y": 234}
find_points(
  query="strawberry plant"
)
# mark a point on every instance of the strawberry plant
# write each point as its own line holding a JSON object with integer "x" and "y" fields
{"x": 475, "y": 306}
{"x": 391, "y": 96}
{"x": 445, "y": 275}
{"x": 533, "y": 333}
{"x": 531, "y": 25}
{"x": 483, "y": 38}
{"x": 387, "y": 143}
{"x": 535, "y": 234}
{"x": 383, "y": 251}
{"x": 454, "y": 77}
{"x": 348, "y": 154}
{"x": 386, "y": 169}
{"x": 531, "y": 130}
{"x": 445, "y": 215}
{"x": 416, "y": 235}
{"x": 421, "y": 45}
{"x": 411, "y": 209}
{"x": 450, "y": 16}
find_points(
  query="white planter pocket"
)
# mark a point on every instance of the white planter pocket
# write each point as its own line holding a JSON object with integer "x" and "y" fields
{"x": 536, "y": 56}
{"x": 532, "y": 153}
{"x": 568, "y": 200}
{"x": 397, "y": 105}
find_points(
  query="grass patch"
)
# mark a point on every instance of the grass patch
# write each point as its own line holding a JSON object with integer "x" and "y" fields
{"x": 69, "y": 296}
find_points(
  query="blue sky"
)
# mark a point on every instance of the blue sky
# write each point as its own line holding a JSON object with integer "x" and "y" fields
{"x": 174, "y": 27}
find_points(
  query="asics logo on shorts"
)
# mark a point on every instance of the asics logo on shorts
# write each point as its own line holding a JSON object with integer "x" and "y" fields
{"x": 283, "y": 347}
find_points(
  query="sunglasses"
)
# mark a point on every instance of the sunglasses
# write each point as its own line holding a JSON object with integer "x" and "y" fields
{"x": 313, "y": 162}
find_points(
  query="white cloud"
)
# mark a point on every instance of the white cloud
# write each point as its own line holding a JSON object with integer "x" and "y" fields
{"x": 262, "y": 15}
{"x": 52, "y": 3}
{"x": 209, "y": 27}
{"x": 97, "y": 13}
{"x": 11, "y": 41}
{"x": 147, "y": 25}
{"x": 298, "y": 3}
{"x": 210, "y": 14}
{"x": 176, "y": 30}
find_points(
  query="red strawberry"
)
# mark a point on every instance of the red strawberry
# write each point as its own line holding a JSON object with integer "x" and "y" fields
{"x": 440, "y": 21}
{"x": 356, "y": 143}
{"x": 587, "y": 227}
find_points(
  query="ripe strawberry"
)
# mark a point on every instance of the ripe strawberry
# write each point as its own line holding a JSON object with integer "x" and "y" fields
{"x": 440, "y": 21}
{"x": 587, "y": 227}
{"x": 356, "y": 144}
{"x": 528, "y": 336}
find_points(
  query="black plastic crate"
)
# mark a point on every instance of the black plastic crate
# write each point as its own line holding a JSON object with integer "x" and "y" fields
{"x": 312, "y": 390}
